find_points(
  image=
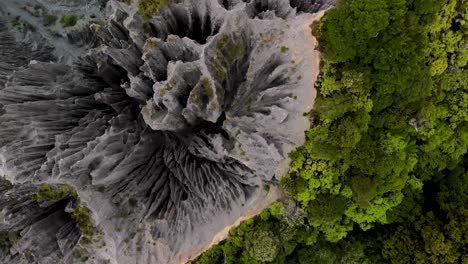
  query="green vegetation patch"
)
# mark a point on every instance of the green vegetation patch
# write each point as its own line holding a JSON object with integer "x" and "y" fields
{"x": 235, "y": 50}
{"x": 232, "y": 48}
{"x": 80, "y": 253}
{"x": 229, "y": 51}
{"x": 124, "y": 213}
{"x": 68, "y": 20}
{"x": 207, "y": 88}
{"x": 22, "y": 25}
{"x": 50, "y": 193}
{"x": 82, "y": 217}
{"x": 222, "y": 41}
{"x": 49, "y": 20}
{"x": 95, "y": 27}
{"x": 7, "y": 240}
{"x": 151, "y": 43}
{"x": 149, "y": 8}
{"x": 193, "y": 98}
{"x": 146, "y": 28}
{"x": 6, "y": 181}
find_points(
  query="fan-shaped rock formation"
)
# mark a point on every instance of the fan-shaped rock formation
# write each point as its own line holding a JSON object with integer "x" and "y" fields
{"x": 165, "y": 128}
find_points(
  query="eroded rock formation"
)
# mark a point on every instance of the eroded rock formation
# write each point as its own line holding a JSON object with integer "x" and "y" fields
{"x": 166, "y": 128}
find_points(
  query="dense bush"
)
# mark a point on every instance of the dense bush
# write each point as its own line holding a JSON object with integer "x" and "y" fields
{"x": 68, "y": 21}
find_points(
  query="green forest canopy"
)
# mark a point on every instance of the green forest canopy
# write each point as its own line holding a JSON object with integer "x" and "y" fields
{"x": 383, "y": 175}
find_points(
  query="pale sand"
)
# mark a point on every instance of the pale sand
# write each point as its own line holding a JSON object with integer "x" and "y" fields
{"x": 304, "y": 46}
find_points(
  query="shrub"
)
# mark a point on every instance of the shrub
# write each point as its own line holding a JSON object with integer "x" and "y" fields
{"x": 49, "y": 20}
{"x": 263, "y": 245}
{"x": 68, "y": 21}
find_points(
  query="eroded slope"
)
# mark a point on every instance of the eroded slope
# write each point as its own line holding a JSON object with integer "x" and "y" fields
{"x": 166, "y": 128}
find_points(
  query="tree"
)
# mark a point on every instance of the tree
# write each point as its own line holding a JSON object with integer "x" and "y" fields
{"x": 262, "y": 245}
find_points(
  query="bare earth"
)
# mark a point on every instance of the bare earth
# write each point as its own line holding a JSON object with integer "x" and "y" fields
{"x": 304, "y": 46}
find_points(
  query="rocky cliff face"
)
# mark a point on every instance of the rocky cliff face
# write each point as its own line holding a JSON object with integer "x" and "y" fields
{"x": 165, "y": 128}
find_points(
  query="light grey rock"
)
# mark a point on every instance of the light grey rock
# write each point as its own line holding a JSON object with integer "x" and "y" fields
{"x": 166, "y": 128}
